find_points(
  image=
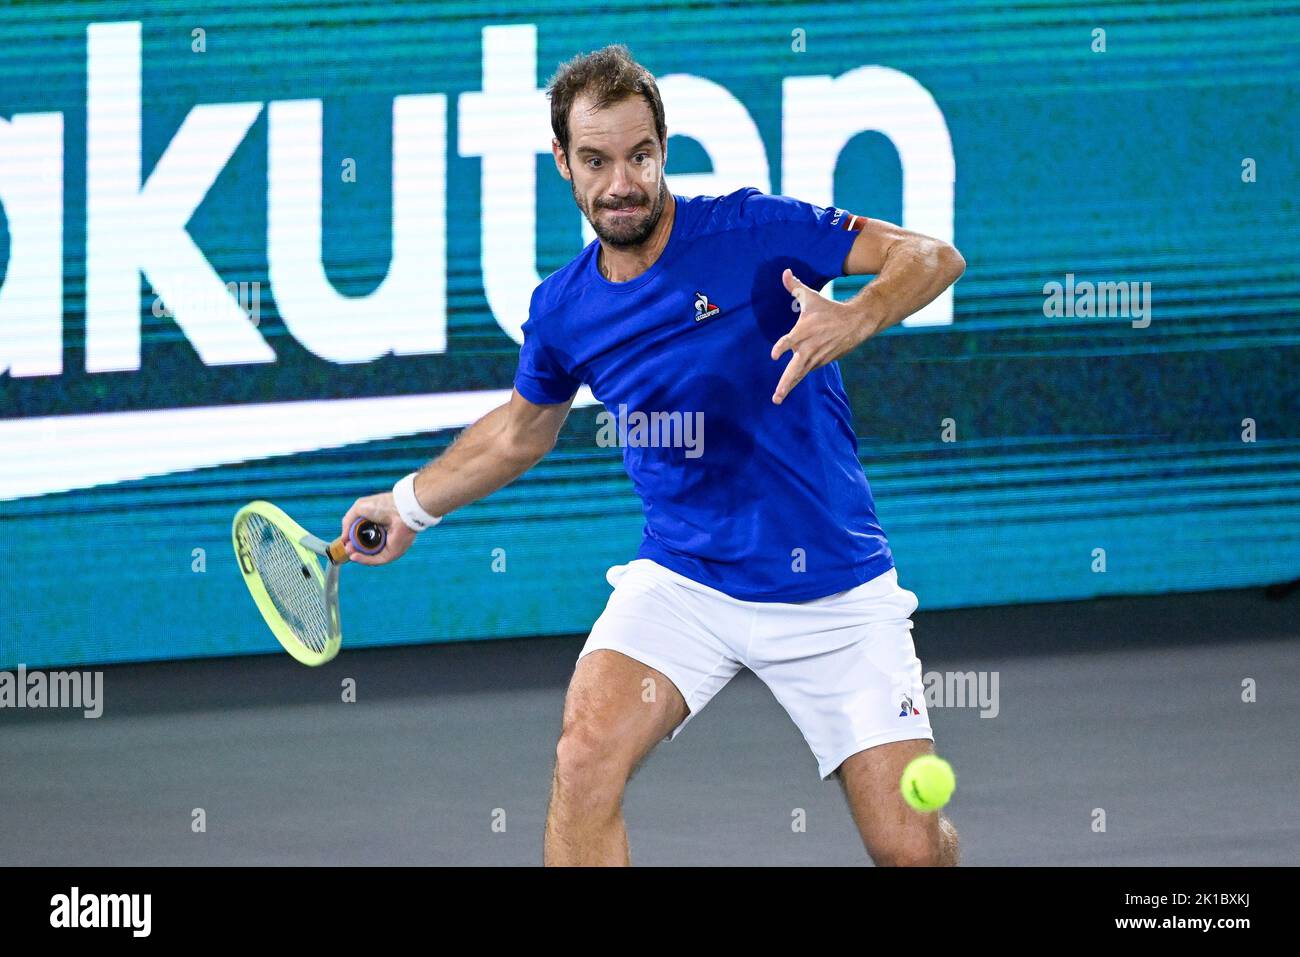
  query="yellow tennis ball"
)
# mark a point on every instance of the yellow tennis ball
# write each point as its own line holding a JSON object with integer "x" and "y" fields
{"x": 928, "y": 782}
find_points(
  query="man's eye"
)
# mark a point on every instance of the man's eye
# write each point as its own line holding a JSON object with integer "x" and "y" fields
{"x": 593, "y": 163}
{"x": 641, "y": 157}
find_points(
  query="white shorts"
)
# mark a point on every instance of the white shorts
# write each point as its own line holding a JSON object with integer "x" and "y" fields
{"x": 844, "y": 667}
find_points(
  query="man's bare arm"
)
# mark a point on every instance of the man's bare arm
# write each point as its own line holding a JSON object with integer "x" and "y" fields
{"x": 488, "y": 455}
{"x": 911, "y": 269}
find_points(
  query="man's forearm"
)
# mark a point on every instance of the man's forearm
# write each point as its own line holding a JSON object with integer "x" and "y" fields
{"x": 483, "y": 459}
{"x": 912, "y": 276}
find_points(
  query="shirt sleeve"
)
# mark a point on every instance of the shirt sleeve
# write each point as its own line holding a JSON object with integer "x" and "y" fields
{"x": 542, "y": 377}
{"x": 812, "y": 240}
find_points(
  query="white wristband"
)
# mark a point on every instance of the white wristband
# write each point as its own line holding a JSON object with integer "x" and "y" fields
{"x": 408, "y": 506}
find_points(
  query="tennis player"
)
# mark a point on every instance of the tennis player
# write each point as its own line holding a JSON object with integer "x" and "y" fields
{"x": 761, "y": 547}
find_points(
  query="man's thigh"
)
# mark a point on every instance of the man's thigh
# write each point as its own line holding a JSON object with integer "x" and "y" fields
{"x": 653, "y": 659}
{"x": 620, "y": 707}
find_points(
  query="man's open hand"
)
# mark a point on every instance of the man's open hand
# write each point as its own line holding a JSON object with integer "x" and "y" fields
{"x": 825, "y": 331}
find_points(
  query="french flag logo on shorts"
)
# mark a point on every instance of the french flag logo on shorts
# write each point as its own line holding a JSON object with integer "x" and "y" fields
{"x": 905, "y": 707}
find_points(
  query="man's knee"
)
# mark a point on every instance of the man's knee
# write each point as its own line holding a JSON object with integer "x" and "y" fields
{"x": 590, "y": 767}
{"x": 941, "y": 850}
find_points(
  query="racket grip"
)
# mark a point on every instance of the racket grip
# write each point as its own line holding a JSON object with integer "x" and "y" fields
{"x": 338, "y": 553}
{"x": 363, "y": 530}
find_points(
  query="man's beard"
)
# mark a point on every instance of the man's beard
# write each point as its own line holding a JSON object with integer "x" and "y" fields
{"x": 625, "y": 235}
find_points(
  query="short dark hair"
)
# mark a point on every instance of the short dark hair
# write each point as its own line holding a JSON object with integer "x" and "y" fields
{"x": 608, "y": 76}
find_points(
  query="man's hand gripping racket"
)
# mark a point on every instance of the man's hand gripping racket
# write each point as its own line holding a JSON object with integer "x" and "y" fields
{"x": 381, "y": 511}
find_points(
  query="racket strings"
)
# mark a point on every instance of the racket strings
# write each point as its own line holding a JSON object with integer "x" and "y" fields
{"x": 295, "y": 589}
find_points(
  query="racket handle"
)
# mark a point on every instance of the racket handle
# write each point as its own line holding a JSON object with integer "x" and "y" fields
{"x": 367, "y": 537}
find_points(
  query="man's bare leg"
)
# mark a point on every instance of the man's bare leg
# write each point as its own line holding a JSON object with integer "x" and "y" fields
{"x": 617, "y": 709}
{"x": 893, "y": 833}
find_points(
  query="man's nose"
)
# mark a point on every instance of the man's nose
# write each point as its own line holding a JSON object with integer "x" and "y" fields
{"x": 623, "y": 184}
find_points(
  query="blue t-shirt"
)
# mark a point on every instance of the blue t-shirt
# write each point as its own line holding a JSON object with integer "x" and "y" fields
{"x": 763, "y": 502}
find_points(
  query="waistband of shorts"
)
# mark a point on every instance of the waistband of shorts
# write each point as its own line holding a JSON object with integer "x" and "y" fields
{"x": 650, "y": 566}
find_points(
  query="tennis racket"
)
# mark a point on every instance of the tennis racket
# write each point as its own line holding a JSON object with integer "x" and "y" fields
{"x": 296, "y": 592}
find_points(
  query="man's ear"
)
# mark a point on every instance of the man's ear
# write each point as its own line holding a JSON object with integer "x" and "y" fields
{"x": 561, "y": 161}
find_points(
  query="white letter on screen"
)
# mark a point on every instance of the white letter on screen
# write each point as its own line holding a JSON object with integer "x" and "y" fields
{"x": 31, "y": 192}
{"x": 710, "y": 115}
{"x": 130, "y": 229}
{"x": 407, "y": 313}
{"x": 820, "y": 114}
{"x": 507, "y": 125}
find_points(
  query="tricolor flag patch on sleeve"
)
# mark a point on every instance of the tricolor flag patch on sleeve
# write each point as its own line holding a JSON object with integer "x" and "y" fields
{"x": 848, "y": 221}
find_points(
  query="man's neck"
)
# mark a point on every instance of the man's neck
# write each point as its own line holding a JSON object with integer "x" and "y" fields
{"x": 622, "y": 265}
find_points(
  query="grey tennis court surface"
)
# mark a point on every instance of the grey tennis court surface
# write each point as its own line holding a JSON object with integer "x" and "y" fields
{"x": 1131, "y": 708}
